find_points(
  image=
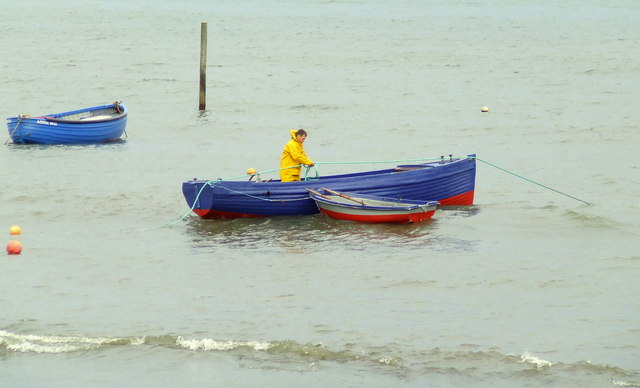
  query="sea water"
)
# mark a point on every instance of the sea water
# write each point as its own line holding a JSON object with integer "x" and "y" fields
{"x": 118, "y": 285}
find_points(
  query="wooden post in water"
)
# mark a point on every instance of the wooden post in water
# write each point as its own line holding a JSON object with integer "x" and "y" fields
{"x": 203, "y": 67}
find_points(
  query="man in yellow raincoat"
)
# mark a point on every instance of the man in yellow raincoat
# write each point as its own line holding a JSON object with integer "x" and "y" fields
{"x": 293, "y": 155}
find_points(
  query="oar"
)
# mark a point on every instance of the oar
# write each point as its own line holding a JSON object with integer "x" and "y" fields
{"x": 318, "y": 194}
{"x": 344, "y": 196}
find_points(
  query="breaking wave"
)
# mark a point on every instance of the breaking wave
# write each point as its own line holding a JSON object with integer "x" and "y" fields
{"x": 32, "y": 343}
{"x": 463, "y": 362}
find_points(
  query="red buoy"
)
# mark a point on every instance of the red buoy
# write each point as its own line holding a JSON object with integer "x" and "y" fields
{"x": 14, "y": 247}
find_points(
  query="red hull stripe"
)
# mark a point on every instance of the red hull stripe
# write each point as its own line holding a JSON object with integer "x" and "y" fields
{"x": 463, "y": 199}
{"x": 394, "y": 218}
{"x": 205, "y": 213}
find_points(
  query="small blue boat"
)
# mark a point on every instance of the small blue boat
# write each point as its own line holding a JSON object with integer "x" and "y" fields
{"x": 98, "y": 124}
{"x": 448, "y": 181}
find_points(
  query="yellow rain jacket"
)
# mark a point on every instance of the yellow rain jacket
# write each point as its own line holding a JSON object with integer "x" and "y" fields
{"x": 292, "y": 155}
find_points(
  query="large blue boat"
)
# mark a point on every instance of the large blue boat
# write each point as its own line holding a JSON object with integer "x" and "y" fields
{"x": 449, "y": 181}
{"x": 98, "y": 124}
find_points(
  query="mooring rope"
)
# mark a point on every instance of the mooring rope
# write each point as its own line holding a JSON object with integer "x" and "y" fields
{"x": 212, "y": 182}
{"x": 392, "y": 160}
{"x": 470, "y": 157}
{"x": 14, "y": 129}
{"x": 116, "y": 105}
{"x": 254, "y": 197}
{"x": 530, "y": 180}
{"x": 209, "y": 183}
{"x": 194, "y": 204}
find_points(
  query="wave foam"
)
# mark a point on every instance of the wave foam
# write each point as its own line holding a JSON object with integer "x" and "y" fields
{"x": 625, "y": 383}
{"x": 210, "y": 344}
{"x": 289, "y": 354}
{"x": 527, "y": 358}
{"x": 26, "y": 343}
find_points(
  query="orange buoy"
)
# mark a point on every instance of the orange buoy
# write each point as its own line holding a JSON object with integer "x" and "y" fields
{"x": 14, "y": 230}
{"x": 485, "y": 109}
{"x": 14, "y": 247}
{"x": 251, "y": 171}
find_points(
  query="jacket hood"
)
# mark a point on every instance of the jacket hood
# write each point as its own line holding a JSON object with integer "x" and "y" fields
{"x": 293, "y": 133}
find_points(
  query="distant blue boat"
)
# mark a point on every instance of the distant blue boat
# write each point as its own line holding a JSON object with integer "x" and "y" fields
{"x": 98, "y": 124}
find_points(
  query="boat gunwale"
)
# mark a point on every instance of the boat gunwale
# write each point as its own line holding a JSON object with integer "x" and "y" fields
{"x": 395, "y": 204}
{"x": 117, "y": 116}
{"x": 60, "y": 117}
{"x": 291, "y": 188}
